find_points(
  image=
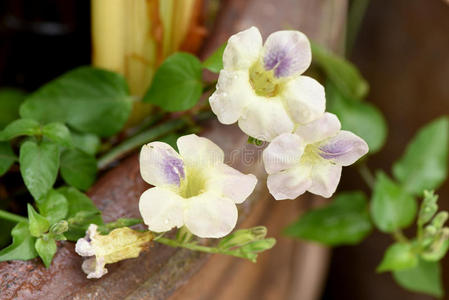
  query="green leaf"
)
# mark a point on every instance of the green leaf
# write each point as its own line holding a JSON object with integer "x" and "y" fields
{"x": 424, "y": 164}
{"x": 392, "y": 208}
{"x": 78, "y": 168}
{"x": 46, "y": 248}
{"x": 88, "y": 99}
{"x": 22, "y": 247}
{"x": 7, "y": 157}
{"x": 424, "y": 278}
{"x": 361, "y": 118}
{"x": 38, "y": 224}
{"x": 88, "y": 143}
{"x": 341, "y": 72}
{"x": 81, "y": 213}
{"x": 398, "y": 256}
{"x": 214, "y": 62}
{"x": 39, "y": 165}
{"x": 177, "y": 84}
{"x": 54, "y": 206}
{"x": 345, "y": 221}
{"x": 58, "y": 133}
{"x": 10, "y": 100}
{"x": 20, "y": 127}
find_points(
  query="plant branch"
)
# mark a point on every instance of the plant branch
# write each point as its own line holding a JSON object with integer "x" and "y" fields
{"x": 366, "y": 175}
{"x": 12, "y": 217}
{"x": 138, "y": 140}
{"x": 399, "y": 236}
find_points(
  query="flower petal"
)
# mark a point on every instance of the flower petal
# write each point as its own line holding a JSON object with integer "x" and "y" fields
{"x": 161, "y": 209}
{"x": 160, "y": 165}
{"x": 199, "y": 151}
{"x": 232, "y": 183}
{"x": 210, "y": 216}
{"x": 291, "y": 183}
{"x": 232, "y": 95}
{"x": 282, "y": 153}
{"x": 94, "y": 267}
{"x": 305, "y": 99}
{"x": 344, "y": 149}
{"x": 326, "y": 126}
{"x": 325, "y": 178}
{"x": 243, "y": 50}
{"x": 265, "y": 119}
{"x": 287, "y": 52}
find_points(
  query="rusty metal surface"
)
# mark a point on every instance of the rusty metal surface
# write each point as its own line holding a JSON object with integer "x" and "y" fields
{"x": 289, "y": 271}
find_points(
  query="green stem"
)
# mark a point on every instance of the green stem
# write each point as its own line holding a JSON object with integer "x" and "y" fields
{"x": 366, "y": 175}
{"x": 355, "y": 17}
{"x": 399, "y": 236}
{"x": 12, "y": 217}
{"x": 138, "y": 140}
{"x": 194, "y": 247}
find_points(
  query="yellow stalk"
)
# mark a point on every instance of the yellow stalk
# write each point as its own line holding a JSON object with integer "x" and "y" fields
{"x": 132, "y": 37}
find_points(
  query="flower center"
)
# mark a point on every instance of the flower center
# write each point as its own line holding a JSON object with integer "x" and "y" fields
{"x": 194, "y": 183}
{"x": 263, "y": 82}
{"x": 311, "y": 154}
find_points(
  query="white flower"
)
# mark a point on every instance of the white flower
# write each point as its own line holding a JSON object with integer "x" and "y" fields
{"x": 261, "y": 86}
{"x": 193, "y": 188}
{"x": 311, "y": 159}
{"x": 119, "y": 244}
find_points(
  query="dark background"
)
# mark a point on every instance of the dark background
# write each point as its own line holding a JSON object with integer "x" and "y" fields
{"x": 402, "y": 50}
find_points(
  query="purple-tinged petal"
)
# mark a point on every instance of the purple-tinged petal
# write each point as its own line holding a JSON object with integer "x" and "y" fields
{"x": 287, "y": 53}
{"x": 291, "y": 183}
{"x": 344, "y": 149}
{"x": 282, "y": 153}
{"x": 323, "y": 128}
{"x": 325, "y": 177}
{"x": 161, "y": 165}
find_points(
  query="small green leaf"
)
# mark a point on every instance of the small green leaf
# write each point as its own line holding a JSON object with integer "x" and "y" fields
{"x": 53, "y": 206}
{"x": 398, "y": 256}
{"x": 10, "y": 100}
{"x": 391, "y": 207}
{"x": 22, "y": 247}
{"x": 177, "y": 84}
{"x": 88, "y": 99}
{"x": 437, "y": 251}
{"x": 78, "y": 168}
{"x": 345, "y": 221}
{"x": 214, "y": 62}
{"x": 88, "y": 143}
{"x": 242, "y": 237}
{"x": 20, "y": 127}
{"x": 7, "y": 157}
{"x": 341, "y": 72}
{"x": 361, "y": 118}
{"x": 425, "y": 162}
{"x": 46, "y": 248}
{"x": 82, "y": 212}
{"x": 39, "y": 165}
{"x": 424, "y": 278}
{"x": 58, "y": 133}
{"x": 38, "y": 224}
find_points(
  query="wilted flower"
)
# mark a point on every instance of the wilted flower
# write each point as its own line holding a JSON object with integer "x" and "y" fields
{"x": 119, "y": 244}
{"x": 261, "y": 86}
{"x": 311, "y": 159}
{"x": 193, "y": 188}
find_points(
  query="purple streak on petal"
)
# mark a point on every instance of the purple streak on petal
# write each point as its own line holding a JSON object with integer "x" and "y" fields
{"x": 337, "y": 149}
{"x": 283, "y": 59}
{"x": 173, "y": 169}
